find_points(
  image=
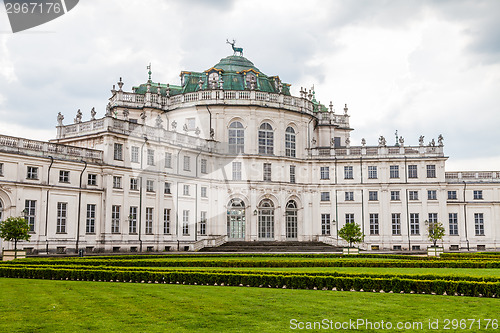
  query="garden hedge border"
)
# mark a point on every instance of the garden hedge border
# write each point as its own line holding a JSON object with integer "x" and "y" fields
{"x": 395, "y": 285}
{"x": 448, "y": 277}
{"x": 267, "y": 263}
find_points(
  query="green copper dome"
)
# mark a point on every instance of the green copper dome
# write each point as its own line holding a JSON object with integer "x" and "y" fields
{"x": 230, "y": 73}
{"x": 235, "y": 64}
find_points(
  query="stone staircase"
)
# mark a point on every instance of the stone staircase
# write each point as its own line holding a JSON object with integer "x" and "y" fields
{"x": 269, "y": 246}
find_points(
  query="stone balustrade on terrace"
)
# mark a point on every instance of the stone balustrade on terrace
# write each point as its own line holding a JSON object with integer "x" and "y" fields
{"x": 230, "y": 97}
{"x": 45, "y": 149}
{"x": 368, "y": 152}
{"x": 110, "y": 124}
{"x": 473, "y": 176}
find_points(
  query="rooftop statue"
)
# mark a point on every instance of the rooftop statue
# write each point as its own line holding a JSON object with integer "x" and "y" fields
{"x": 60, "y": 119}
{"x": 440, "y": 140}
{"x": 381, "y": 141}
{"x": 235, "y": 49}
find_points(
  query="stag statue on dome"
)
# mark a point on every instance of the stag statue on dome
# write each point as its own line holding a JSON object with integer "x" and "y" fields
{"x": 235, "y": 49}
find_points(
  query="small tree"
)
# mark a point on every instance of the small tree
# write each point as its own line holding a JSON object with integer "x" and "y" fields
{"x": 351, "y": 233}
{"x": 435, "y": 231}
{"x": 14, "y": 229}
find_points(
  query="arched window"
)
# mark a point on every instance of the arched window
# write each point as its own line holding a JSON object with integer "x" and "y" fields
{"x": 290, "y": 142}
{"x": 251, "y": 81}
{"x": 236, "y": 138}
{"x": 213, "y": 80}
{"x": 266, "y": 219}
{"x": 291, "y": 219}
{"x": 236, "y": 219}
{"x": 1, "y": 210}
{"x": 266, "y": 139}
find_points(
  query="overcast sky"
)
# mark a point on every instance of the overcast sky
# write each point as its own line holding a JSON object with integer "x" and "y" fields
{"x": 421, "y": 67}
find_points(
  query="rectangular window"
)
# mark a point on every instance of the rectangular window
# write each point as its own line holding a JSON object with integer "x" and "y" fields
{"x": 349, "y": 218}
{"x": 337, "y": 142}
{"x": 118, "y": 152}
{"x": 117, "y": 182}
{"x": 150, "y": 185}
{"x": 292, "y": 174}
{"x": 203, "y": 192}
{"x": 185, "y": 190}
{"x": 151, "y": 157}
{"x": 63, "y": 176}
{"x": 396, "y": 223}
{"x": 412, "y": 171}
{"x": 236, "y": 170}
{"x": 185, "y": 222}
{"x": 267, "y": 172}
{"x": 325, "y": 224}
{"x": 203, "y": 223}
{"x": 325, "y": 173}
{"x": 30, "y": 213}
{"x": 62, "y": 214}
{"x": 373, "y": 195}
{"x": 395, "y": 196}
{"x": 32, "y": 173}
{"x": 372, "y": 172}
{"x": 134, "y": 184}
{"x": 478, "y": 195}
{"x": 453, "y": 221}
{"x": 149, "y": 220}
{"x": 191, "y": 124}
{"x": 414, "y": 224}
{"x": 432, "y": 195}
{"x": 374, "y": 224}
{"x": 433, "y": 217}
{"x": 134, "y": 154}
{"x": 349, "y": 196}
{"x": 166, "y": 221}
{"x": 413, "y": 195}
{"x": 168, "y": 160}
{"x": 325, "y": 196}
{"x": 479, "y": 224}
{"x": 115, "y": 219}
{"x": 452, "y": 195}
{"x": 431, "y": 171}
{"x": 1, "y": 169}
{"x": 132, "y": 220}
{"x": 90, "y": 222}
{"x": 394, "y": 171}
{"x": 348, "y": 174}
{"x": 203, "y": 166}
{"x": 167, "y": 188}
{"x": 92, "y": 179}
{"x": 187, "y": 163}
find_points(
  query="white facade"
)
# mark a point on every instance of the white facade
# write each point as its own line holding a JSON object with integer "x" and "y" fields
{"x": 176, "y": 169}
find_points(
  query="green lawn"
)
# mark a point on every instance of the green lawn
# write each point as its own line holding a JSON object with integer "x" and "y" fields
{"x": 69, "y": 306}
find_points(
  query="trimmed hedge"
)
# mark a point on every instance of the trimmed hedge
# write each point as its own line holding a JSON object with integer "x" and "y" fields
{"x": 468, "y": 256}
{"x": 467, "y": 288}
{"x": 266, "y": 263}
{"x": 251, "y": 255}
{"x": 449, "y": 277}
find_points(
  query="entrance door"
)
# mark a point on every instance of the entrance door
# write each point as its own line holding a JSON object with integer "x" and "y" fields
{"x": 291, "y": 220}
{"x": 236, "y": 220}
{"x": 266, "y": 220}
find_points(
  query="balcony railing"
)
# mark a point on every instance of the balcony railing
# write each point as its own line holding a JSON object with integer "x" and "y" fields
{"x": 126, "y": 99}
{"x": 45, "y": 149}
{"x": 473, "y": 176}
{"x": 376, "y": 152}
{"x": 134, "y": 129}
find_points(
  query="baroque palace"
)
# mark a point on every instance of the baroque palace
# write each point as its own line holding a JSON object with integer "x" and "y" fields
{"x": 230, "y": 154}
